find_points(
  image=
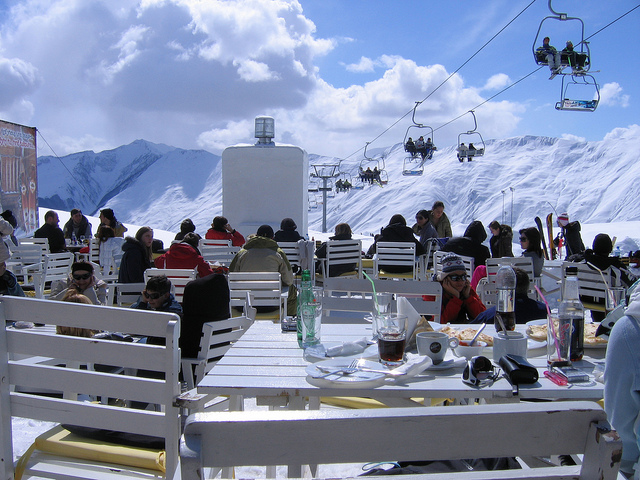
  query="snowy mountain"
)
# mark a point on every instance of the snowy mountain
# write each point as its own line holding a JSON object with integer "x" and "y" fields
{"x": 158, "y": 185}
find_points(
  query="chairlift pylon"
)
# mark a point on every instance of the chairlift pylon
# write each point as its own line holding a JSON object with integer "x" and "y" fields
{"x": 469, "y": 151}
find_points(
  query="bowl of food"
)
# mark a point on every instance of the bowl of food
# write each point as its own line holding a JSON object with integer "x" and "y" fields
{"x": 469, "y": 351}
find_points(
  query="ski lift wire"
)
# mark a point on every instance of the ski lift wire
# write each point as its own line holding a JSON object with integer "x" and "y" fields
{"x": 445, "y": 80}
{"x": 65, "y": 167}
{"x": 611, "y": 23}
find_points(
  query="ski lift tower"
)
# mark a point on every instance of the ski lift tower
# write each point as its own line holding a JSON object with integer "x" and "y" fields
{"x": 325, "y": 172}
{"x": 265, "y": 182}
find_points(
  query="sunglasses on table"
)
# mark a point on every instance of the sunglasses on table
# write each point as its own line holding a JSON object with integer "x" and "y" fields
{"x": 152, "y": 296}
{"x": 84, "y": 276}
{"x": 458, "y": 278}
{"x": 480, "y": 372}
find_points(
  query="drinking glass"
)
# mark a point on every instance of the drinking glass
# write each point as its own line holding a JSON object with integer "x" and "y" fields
{"x": 392, "y": 335}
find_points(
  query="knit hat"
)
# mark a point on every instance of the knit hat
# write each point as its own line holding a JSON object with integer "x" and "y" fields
{"x": 265, "y": 231}
{"x": 451, "y": 263}
{"x": 84, "y": 266}
{"x": 602, "y": 244}
{"x": 563, "y": 219}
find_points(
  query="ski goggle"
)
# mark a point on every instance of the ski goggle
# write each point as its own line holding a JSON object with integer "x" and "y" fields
{"x": 480, "y": 372}
{"x": 152, "y": 296}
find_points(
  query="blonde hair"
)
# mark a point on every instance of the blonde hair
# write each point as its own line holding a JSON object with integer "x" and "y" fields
{"x": 74, "y": 296}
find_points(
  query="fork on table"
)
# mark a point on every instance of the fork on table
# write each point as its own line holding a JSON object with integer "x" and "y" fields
{"x": 348, "y": 370}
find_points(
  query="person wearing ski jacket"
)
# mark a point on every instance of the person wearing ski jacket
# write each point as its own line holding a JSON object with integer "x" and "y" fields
{"x": 470, "y": 245}
{"x": 501, "y": 241}
{"x": 423, "y": 228}
{"x": 622, "y": 385}
{"x": 397, "y": 231}
{"x": 439, "y": 220}
{"x": 184, "y": 255}
{"x": 570, "y": 235}
{"x": 137, "y": 256}
{"x": 460, "y": 302}
{"x": 262, "y": 254}
{"x": 221, "y": 230}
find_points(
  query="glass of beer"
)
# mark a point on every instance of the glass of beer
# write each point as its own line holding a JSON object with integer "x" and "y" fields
{"x": 392, "y": 336}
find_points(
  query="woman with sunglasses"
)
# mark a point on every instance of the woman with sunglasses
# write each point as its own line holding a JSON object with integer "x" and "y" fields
{"x": 530, "y": 243}
{"x": 460, "y": 302}
{"x": 423, "y": 228}
{"x": 81, "y": 280}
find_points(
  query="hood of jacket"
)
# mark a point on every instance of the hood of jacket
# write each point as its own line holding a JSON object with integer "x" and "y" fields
{"x": 476, "y": 232}
{"x": 131, "y": 243}
{"x": 342, "y": 236}
{"x": 261, "y": 242}
{"x": 182, "y": 251}
{"x": 633, "y": 310}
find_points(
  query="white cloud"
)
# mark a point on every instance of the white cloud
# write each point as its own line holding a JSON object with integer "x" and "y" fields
{"x": 611, "y": 95}
{"x": 496, "y": 82}
{"x": 572, "y": 138}
{"x": 365, "y": 65}
{"x": 195, "y": 74}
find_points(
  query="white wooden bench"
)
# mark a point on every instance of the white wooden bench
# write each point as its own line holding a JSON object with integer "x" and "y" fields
{"x": 397, "y": 434}
{"x": 23, "y": 381}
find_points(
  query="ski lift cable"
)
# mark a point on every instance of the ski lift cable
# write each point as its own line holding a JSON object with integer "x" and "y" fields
{"x": 611, "y": 23}
{"x": 501, "y": 91}
{"x": 445, "y": 80}
{"x": 65, "y": 167}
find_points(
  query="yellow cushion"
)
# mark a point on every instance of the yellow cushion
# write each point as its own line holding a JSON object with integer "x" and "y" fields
{"x": 60, "y": 441}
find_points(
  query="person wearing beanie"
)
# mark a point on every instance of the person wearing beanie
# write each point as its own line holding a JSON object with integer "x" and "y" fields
{"x": 82, "y": 280}
{"x": 288, "y": 232}
{"x": 187, "y": 226}
{"x": 599, "y": 256}
{"x": 569, "y": 237}
{"x": 221, "y": 230}
{"x": 262, "y": 254}
{"x": 460, "y": 302}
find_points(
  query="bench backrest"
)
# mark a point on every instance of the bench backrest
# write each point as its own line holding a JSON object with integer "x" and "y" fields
{"x": 25, "y": 379}
{"x": 435, "y": 433}
{"x": 179, "y": 278}
{"x": 591, "y": 282}
{"x": 345, "y": 296}
{"x": 439, "y": 255}
{"x": 222, "y": 254}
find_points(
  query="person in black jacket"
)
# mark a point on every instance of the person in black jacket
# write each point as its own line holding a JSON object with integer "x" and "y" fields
{"x": 78, "y": 225}
{"x": 342, "y": 232}
{"x": 288, "y": 232}
{"x": 137, "y": 256}
{"x": 470, "y": 245}
{"x": 570, "y": 234}
{"x": 501, "y": 241}
{"x": 205, "y": 299}
{"x": 53, "y": 232}
{"x": 397, "y": 231}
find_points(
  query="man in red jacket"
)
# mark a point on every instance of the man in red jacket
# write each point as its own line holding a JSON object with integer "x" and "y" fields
{"x": 185, "y": 255}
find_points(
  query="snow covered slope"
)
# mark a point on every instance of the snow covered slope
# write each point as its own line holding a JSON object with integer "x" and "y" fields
{"x": 146, "y": 183}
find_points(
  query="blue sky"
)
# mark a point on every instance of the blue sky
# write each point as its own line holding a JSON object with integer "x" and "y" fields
{"x": 92, "y": 75}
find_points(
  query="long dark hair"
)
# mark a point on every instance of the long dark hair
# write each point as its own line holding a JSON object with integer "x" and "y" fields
{"x": 533, "y": 235}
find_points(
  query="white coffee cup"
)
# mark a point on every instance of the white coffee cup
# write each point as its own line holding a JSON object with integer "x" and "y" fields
{"x": 434, "y": 345}
{"x": 515, "y": 343}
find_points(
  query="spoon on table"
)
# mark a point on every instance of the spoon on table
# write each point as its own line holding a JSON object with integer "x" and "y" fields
{"x": 473, "y": 340}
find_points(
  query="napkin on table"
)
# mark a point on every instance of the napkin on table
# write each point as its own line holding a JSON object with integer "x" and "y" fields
{"x": 348, "y": 348}
{"x": 414, "y": 365}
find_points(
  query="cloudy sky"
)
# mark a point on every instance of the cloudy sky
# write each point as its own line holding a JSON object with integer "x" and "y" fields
{"x": 335, "y": 74}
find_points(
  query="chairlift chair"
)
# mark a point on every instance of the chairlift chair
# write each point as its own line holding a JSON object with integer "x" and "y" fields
{"x": 583, "y": 56}
{"x": 467, "y": 152}
{"x": 413, "y": 164}
{"x": 379, "y": 164}
{"x": 584, "y": 80}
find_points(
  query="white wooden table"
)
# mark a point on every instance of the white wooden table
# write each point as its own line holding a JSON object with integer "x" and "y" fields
{"x": 267, "y": 363}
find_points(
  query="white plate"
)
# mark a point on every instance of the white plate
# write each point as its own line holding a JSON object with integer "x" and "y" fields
{"x": 533, "y": 343}
{"x": 595, "y": 346}
{"x": 355, "y": 380}
{"x": 447, "y": 364}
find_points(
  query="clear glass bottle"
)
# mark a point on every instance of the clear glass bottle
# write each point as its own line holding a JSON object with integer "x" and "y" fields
{"x": 571, "y": 309}
{"x": 506, "y": 286}
{"x": 305, "y": 297}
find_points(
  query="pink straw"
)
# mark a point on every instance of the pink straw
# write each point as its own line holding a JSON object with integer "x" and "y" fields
{"x": 553, "y": 328}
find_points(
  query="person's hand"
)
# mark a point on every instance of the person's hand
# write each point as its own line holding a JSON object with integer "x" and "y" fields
{"x": 466, "y": 290}
{"x": 228, "y": 228}
{"x": 448, "y": 287}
